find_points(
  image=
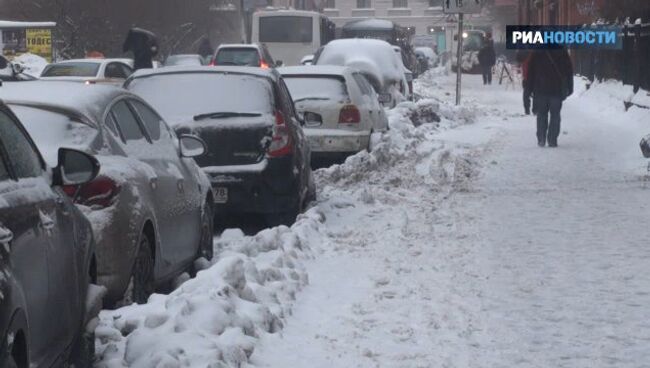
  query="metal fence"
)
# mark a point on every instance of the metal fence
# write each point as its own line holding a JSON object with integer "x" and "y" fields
{"x": 629, "y": 65}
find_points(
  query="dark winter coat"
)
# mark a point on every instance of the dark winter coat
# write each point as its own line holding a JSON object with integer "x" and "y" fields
{"x": 487, "y": 56}
{"x": 144, "y": 46}
{"x": 550, "y": 73}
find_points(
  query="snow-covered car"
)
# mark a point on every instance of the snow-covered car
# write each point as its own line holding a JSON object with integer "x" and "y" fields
{"x": 428, "y": 54}
{"x": 340, "y": 108}
{"x": 151, "y": 206}
{"x": 258, "y": 158}
{"x": 107, "y": 71}
{"x": 48, "y": 304}
{"x": 13, "y": 72}
{"x": 243, "y": 55}
{"x": 376, "y": 60}
{"x": 184, "y": 59}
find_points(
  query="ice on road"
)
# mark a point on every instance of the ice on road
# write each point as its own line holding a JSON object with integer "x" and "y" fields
{"x": 479, "y": 249}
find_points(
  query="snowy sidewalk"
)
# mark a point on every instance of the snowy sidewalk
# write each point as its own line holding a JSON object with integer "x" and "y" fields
{"x": 485, "y": 250}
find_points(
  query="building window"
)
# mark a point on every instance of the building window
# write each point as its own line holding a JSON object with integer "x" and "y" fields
{"x": 364, "y": 4}
{"x": 330, "y": 4}
{"x": 400, "y": 4}
{"x": 435, "y": 3}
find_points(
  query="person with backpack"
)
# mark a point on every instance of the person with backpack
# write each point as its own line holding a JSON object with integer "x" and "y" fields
{"x": 550, "y": 79}
{"x": 487, "y": 58}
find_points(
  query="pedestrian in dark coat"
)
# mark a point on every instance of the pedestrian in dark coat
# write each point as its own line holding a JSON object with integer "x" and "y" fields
{"x": 487, "y": 59}
{"x": 523, "y": 57}
{"x": 144, "y": 46}
{"x": 205, "y": 49}
{"x": 550, "y": 78}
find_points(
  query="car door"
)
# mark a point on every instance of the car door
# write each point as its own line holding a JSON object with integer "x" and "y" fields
{"x": 185, "y": 202}
{"x": 28, "y": 223}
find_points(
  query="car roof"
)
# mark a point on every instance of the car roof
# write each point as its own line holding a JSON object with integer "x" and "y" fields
{"x": 91, "y": 60}
{"x": 85, "y": 101}
{"x": 239, "y": 45}
{"x": 316, "y": 70}
{"x": 187, "y": 69}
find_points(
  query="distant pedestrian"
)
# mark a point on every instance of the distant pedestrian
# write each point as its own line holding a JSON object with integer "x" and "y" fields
{"x": 550, "y": 78}
{"x": 487, "y": 59}
{"x": 205, "y": 49}
{"x": 523, "y": 57}
{"x": 144, "y": 46}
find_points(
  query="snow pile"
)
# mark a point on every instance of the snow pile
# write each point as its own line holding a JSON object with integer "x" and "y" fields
{"x": 216, "y": 318}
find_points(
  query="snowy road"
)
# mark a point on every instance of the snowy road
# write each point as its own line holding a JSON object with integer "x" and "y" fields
{"x": 479, "y": 249}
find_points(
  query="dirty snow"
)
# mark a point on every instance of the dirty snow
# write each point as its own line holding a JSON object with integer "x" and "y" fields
{"x": 456, "y": 243}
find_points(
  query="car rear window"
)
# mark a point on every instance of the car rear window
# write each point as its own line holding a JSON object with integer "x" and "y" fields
{"x": 51, "y": 130}
{"x": 243, "y": 56}
{"x": 81, "y": 69}
{"x": 204, "y": 93}
{"x": 316, "y": 87}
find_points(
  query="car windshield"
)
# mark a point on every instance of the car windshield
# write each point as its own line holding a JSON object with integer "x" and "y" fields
{"x": 52, "y": 130}
{"x": 314, "y": 87}
{"x": 204, "y": 93}
{"x": 243, "y": 56}
{"x": 75, "y": 69}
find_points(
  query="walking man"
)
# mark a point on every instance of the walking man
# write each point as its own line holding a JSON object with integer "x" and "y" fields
{"x": 523, "y": 57}
{"x": 550, "y": 78}
{"x": 487, "y": 58}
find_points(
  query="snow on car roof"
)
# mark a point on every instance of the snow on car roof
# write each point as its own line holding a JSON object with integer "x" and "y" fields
{"x": 238, "y": 45}
{"x": 94, "y": 60}
{"x": 13, "y": 24}
{"x": 142, "y": 73}
{"x": 374, "y": 57}
{"x": 87, "y": 100}
{"x": 315, "y": 70}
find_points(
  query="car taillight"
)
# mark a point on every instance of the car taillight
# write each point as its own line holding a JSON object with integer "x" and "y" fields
{"x": 349, "y": 115}
{"x": 281, "y": 144}
{"x": 264, "y": 65}
{"x": 98, "y": 193}
{"x": 213, "y": 63}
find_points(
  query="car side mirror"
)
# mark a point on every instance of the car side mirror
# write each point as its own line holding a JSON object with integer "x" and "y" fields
{"x": 645, "y": 146}
{"x": 312, "y": 119}
{"x": 192, "y": 146}
{"x": 279, "y": 63}
{"x": 74, "y": 167}
{"x": 17, "y": 68}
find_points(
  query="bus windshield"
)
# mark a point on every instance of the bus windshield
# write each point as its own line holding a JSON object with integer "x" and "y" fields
{"x": 286, "y": 29}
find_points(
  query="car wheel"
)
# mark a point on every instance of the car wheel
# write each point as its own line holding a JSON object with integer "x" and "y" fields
{"x": 311, "y": 190}
{"x": 283, "y": 218}
{"x": 83, "y": 352}
{"x": 141, "y": 285}
{"x": 206, "y": 249}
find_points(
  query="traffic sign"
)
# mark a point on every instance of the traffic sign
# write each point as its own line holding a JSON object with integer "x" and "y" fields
{"x": 462, "y": 6}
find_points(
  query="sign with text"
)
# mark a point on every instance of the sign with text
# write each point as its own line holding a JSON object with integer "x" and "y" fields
{"x": 39, "y": 42}
{"x": 462, "y": 6}
{"x": 571, "y": 37}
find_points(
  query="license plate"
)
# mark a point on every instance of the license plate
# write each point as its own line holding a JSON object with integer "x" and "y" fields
{"x": 220, "y": 195}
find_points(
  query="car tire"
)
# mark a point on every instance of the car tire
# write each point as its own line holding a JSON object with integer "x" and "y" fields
{"x": 206, "y": 248}
{"x": 141, "y": 284}
{"x": 286, "y": 218}
{"x": 83, "y": 352}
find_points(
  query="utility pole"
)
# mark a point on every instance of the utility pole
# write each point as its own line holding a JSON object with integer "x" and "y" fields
{"x": 459, "y": 58}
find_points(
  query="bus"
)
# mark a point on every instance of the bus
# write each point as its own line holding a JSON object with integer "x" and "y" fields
{"x": 291, "y": 34}
{"x": 378, "y": 29}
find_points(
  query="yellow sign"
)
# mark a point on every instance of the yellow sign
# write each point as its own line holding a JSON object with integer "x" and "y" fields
{"x": 39, "y": 42}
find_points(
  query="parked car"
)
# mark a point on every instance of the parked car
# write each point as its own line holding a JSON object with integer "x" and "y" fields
{"x": 109, "y": 71}
{"x": 184, "y": 59}
{"x": 376, "y": 60}
{"x": 151, "y": 206}
{"x": 48, "y": 306}
{"x": 244, "y": 55}
{"x": 11, "y": 72}
{"x": 258, "y": 158}
{"x": 340, "y": 108}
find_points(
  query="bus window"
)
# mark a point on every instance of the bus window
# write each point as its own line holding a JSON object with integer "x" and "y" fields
{"x": 286, "y": 29}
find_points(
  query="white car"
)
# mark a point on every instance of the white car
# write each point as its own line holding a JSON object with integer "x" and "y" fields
{"x": 376, "y": 60}
{"x": 340, "y": 108}
{"x": 106, "y": 71}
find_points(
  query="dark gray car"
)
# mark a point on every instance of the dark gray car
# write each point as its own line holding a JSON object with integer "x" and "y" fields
{"x": 151, "y": 206}
{"x": 46, "y": 255}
